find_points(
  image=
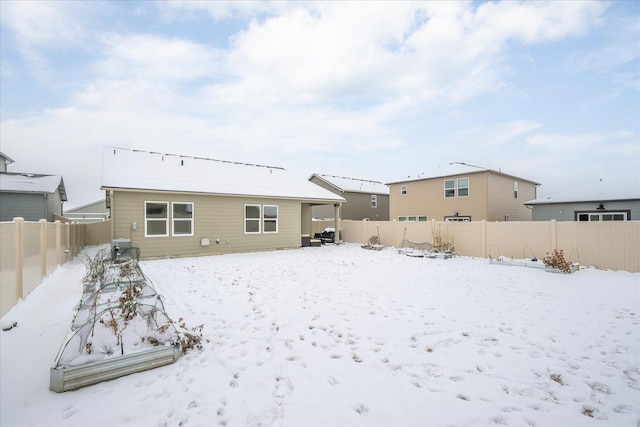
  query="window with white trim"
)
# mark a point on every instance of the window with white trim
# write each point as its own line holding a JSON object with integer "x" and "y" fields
{"x": 156, "y": 219}
{"x": 457, "y": 218}
{"x": 374, "y": 200}
{"x": 403, "y": 189}
{"x": 182, "y": 218}
{"x": 601, "y": 216}
{"x": 515, "y": 189}
{"x": 456, "y": 187}
{"x": 463, "y": 187}
{"x": 270, "y": 219}
{"x": 252, "y": 218}
{"x": 449, "y": 188}
{"x": 413, "y": 218}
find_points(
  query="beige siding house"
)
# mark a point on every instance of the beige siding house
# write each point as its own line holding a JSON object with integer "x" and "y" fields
{"x": 462, "y": 193}
{"x": 365, "y": 199}
{"x": 171, "y": 205}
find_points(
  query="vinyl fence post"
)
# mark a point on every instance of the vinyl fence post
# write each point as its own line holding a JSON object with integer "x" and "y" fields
{"x": 43, "y": 248}
{"x": 58, "y": 242}
{"x": 19, "y": 256}
{"x": 484, "y": 238}
{"x": 554, "y": 234}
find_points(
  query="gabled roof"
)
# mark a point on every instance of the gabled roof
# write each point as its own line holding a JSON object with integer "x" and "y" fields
{"x": 598, "y": 192}
{"x": 455, "y": 169}
{"x": 353, "y": 185}
{"x": 13, "y": 182}
{"x": 143, "y": 170}
{"x": 6, "y": 158}
{"x": 98, "y": 203}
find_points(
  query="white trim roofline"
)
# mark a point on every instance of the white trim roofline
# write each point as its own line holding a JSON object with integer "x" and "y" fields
{"x": 353, "y": 185}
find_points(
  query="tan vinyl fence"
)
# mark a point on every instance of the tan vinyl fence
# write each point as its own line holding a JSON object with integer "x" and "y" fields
{"x": 31, "y": 251}
{"x": 607, "y": 245}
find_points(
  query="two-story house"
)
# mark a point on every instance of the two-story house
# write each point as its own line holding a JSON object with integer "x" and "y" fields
{"x": 461, "y": 192}
{"x": 365, "y": 199}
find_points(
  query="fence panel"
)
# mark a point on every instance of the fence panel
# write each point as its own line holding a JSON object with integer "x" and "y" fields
{"x": 32, "y": 258}
{"x": 52, "y": 255}
{"x": 518, "y": 239}
{"x": 609, "y": 245}
{"x": 30, "y": 251}
{"x": 466, "y": 236}
{"x": 97, "y": 233}
{"x": 8, "y": 248}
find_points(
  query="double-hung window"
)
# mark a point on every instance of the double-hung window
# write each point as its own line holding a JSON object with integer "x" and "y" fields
{"x": 515, "y": 189}
{"x": 403, "y": 189}
{"x": 450, "y": 188}
{"x": 252, "y": 219}
{"x": 182, "y": 218}
{"x": 456, "y": 187}
{"x": 374, "y": 200}
{"x": 270, "y": 219}
{"x": 156, "y": 219}
{"x": 463, "y": 187}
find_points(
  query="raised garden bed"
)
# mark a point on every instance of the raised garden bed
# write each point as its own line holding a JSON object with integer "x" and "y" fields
{"x": 120, "y": 327}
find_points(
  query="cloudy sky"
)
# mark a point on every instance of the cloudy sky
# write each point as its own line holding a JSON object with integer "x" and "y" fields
{"x": 380, "y": 91}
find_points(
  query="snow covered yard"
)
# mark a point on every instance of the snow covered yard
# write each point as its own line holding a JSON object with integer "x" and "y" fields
{"x": 338, "y": 335}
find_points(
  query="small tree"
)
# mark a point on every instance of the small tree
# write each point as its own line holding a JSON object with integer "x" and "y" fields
{"x": 442, "y": 239}
{"x": 557, "y": 261}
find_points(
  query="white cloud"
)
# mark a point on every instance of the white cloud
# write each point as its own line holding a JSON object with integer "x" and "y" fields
{"x": 498, "y": 134}
{"x": 578, "y": 143}
{"x": 36, "y": 27}
{"x": 156, "y": 58}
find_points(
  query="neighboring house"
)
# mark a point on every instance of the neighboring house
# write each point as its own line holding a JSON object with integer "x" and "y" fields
{"x": 598, "y": 202}
{"x": 31, "y": 196}
{"x": 4, "y": 161}
{"x": 171, "y": 205}
{"x": 90, "y": 212}
{"x": 461, "y": 192}
{"x": 364, "y": 199}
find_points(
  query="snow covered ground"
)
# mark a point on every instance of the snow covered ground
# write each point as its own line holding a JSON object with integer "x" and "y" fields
{"x": 339, "y": 335}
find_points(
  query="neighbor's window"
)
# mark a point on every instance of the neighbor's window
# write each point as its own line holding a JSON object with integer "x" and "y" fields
{"x": 156, "y": 219}
{"x": 402, "y": 218}
{"x": 182, "y": 218}
{"x": 515, "y": 189}
{"x": 251, "y": 219}
{"x": 270, "y": 219}
{"x": 457, "y": 218}
{"x": 463, "y": 187}
{"x": 450, "y": 188}
{"x": 403, "y": 189}
{"x": 422, "y": 218}
{"x": 413, "y": 218}
{"x": 374, "y": 201}
{"x": 602, "y": 216}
